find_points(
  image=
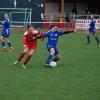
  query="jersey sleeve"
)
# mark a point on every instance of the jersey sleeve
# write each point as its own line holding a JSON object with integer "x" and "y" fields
{"x": 46, "y": 34}
{"x": 41, "y": 35}
{"x": 38, "y": 34}
{"x": 60, "y": 33}
{"x": 24, "y": 38}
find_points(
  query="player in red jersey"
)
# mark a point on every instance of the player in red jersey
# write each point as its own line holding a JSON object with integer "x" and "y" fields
{"x": 30, "y": 44}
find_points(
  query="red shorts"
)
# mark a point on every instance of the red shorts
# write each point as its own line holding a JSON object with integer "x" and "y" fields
{"x": 30, "y": 47}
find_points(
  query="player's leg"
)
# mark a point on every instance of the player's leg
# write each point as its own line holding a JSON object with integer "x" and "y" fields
{"x": 88, "y": 37}
{"x": 3, "y": 39}
{"x": 57, "y": 55}
{"x": 28, "y": 58}
{"x": 21, "y": 55}
{"x": 95, "y": 36}
{"x": 3, "y": 43}
{"x": 0, "y": 38}
{"x": 50, "y": 56}
{"x": 9, "y": 43}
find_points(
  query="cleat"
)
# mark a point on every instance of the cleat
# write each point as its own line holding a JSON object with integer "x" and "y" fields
{"x": 11, "y": 49}
{"x": 46, "y": 65}
{"x": 16, "y": 62}
{"x": 3, "y": 49}
{"x": 23, "y": 66}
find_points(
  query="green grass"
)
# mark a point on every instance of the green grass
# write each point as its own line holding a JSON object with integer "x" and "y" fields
{"x": 77, "y": 76}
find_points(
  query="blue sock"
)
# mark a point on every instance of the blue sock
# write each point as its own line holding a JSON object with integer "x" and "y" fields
{"x": 3, "y": 44}
{"x": 9, "y": 44}
{"x": 49, "y": 59}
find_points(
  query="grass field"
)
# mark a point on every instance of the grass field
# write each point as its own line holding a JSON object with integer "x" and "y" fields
{"x": 77, "y": 76}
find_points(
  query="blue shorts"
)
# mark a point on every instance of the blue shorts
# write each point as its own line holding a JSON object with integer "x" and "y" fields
{"x": 51, "y": 46}
{"x": 92, "y": 30}
{"x": 6, "y": 33}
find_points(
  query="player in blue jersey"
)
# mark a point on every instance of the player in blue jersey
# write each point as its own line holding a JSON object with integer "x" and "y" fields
{"x": 92, "y": 30}
{"x": 5, "y": 33}
{"x": 53, "y": 36}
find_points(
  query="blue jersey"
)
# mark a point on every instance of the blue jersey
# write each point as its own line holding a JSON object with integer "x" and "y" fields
{"x": 6, "y": 28}
{"x": 92, "y": 26}
{"x": 53, "y": 37}
{"x": 92, "y": 23}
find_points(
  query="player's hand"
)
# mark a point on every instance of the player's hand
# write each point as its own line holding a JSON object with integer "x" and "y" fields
{"x": 34, "y": 38}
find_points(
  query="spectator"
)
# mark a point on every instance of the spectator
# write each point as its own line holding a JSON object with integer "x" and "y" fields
{"x": 74, "y": 11}
{"x": 84, "y": 15}
{"x": 67, "y": 19}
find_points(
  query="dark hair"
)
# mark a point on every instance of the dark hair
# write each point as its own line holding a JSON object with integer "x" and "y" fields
{"x": 29, "y": 25}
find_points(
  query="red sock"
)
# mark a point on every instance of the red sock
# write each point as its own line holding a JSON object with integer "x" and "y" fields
{"x": 21, "y": 56}
{"x": 27, "y": 59}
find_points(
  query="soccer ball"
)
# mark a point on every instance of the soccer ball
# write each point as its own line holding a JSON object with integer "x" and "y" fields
{"x": 53, "y": 64}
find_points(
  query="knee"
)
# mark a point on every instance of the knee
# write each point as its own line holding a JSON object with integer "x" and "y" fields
{"x": 31, "y": 52}
{"x": 52, "y": 51}
{"x": 25, "y": 50}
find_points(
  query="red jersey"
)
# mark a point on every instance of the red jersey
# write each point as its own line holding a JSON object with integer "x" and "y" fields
{"x": 30, "y": 38}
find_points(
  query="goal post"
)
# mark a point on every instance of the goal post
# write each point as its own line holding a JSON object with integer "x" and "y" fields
{"x": 18, "y": 15}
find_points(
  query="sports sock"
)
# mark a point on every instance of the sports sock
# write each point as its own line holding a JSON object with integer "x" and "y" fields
{"x": 9, "y": 44}
{"x": 21, "y": 56}
{"x": 3, "y": 44}
{"x": 27, "y": 59}
{"x": 49, "y": 59}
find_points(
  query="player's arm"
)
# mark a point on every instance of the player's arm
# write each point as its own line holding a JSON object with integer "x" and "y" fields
{"x": 68, "y": 32}
{"x": 38, "y": 34}
{"x": 24, "y": 38}
{"x": 64, "y": 32}
{"x": 43, "y": 36}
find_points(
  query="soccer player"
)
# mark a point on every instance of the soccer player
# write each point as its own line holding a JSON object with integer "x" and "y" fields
{"x": 53, "y": 34}
{"x": 5, "y": 33}
{"x": 30, "y": 44}
{"x": 92, "y": 30}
